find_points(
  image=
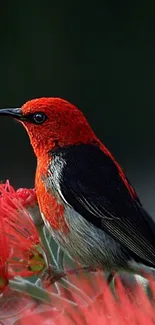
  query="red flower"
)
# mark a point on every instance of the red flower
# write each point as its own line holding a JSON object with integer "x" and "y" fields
{"x": 4, "y": 254}
{"x": 27, "y": 197}
{"x": 105, "y": 309}
{"x": 23, "y": 254}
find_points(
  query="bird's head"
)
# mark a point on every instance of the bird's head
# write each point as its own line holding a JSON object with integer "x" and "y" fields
{"x": 52, "y": 123}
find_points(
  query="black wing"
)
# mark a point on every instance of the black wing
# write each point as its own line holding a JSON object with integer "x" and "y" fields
{"x": 92, "y": 185}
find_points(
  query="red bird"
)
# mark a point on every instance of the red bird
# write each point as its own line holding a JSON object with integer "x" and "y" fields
{"x": 85, "y": 199}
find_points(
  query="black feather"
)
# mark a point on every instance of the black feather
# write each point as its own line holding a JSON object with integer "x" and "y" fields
{"x": 92, "y": 185}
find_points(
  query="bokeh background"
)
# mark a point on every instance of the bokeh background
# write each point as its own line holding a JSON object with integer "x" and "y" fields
{"x": 100, "y": 55}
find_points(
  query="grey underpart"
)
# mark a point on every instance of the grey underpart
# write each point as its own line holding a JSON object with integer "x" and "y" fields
{"x": 91, "y": 246}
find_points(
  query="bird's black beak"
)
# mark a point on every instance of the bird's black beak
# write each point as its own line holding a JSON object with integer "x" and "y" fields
{"x": 12, "y": 112}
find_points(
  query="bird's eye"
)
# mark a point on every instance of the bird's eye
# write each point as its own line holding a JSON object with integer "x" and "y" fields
{"x": 39, "y": 117}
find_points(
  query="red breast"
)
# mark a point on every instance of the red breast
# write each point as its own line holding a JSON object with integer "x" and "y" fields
{"x": 52, "y": 210}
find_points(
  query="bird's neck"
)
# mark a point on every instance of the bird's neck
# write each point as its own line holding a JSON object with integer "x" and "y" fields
{"x": 41, "y": 148}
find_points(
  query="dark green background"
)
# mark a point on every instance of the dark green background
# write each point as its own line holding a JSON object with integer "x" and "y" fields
{"x": 98, "y": 54}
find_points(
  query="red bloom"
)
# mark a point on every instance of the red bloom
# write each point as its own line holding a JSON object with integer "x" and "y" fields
{"x": 27, "y": 197}
{"x": 4, "y": 254}
{"x": 19, "y": 235}
{"x": 21, "y": 255}
{"x": 105, "y": 309}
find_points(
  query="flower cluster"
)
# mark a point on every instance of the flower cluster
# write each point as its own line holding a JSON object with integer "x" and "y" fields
{"x": 105, "y": 308}
{"x": 81, "y": 299}
{"x": 21, "y": 251}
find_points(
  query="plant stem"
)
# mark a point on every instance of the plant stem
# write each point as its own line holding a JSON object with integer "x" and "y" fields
{"x": 31, "y": 289}
{"x": 46, "y": 245}
{"x": 38, "y": 293}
